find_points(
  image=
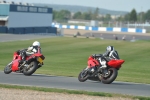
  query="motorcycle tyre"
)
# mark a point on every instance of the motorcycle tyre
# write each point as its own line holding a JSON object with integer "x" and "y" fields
{"x": 6, "y": 71}
{"x": 82, "y": 79}
{"x": 34, "y": 68}
{"x": 112, "y": 77}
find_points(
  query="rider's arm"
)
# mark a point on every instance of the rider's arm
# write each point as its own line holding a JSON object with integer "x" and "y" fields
{"x": 106, "y": 54}
{"x": 31, "y": 50}
{"x": 114, "y": 55}
{"x": 29, "y": 53}
{"x": 97, "y": 55}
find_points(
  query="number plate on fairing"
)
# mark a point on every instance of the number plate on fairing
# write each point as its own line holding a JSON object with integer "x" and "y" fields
{"x": 40, "y": 60}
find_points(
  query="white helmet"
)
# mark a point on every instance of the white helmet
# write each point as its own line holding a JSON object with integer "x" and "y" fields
{"x": 36, "y": 43}
{"x": 110, "y": 48}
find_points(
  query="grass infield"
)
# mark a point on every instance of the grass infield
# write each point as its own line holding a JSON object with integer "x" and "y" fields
{"x": 67, "y": 56}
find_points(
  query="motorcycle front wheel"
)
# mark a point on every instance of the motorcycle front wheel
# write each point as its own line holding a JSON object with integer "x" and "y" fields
{"x": 7, "y": 69}
{"x": 108, "y": 79}
{"x": 83, "y": 76}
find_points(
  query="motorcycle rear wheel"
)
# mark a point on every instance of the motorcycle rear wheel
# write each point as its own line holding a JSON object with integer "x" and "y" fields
{"x": 29, "y": 70}
{"x": 7, "y": 69}
{"x": 110, "y": 77}
{"x": 83, "y": 76}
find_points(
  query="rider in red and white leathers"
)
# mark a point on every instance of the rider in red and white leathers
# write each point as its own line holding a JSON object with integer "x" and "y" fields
{"x": 31, "y": 50}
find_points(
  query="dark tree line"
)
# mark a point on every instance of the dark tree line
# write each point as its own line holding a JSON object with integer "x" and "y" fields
{"x": 132, "y": 16}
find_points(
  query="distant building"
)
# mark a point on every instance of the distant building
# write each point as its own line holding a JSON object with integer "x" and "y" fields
{"x": 115, "y": 16}
{"x": 85, "y": 22}
{"x": 18, "y": 17}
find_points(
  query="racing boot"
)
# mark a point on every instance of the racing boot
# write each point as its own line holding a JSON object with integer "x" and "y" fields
{"x": 92, "y": 70}
{"x": 103, "y": 64}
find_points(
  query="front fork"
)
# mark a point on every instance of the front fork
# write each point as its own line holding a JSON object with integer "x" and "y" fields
{"x": 10, "y": 63}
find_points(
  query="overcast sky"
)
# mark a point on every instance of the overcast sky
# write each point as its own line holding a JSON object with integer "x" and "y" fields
{"x": 118, "y": 5}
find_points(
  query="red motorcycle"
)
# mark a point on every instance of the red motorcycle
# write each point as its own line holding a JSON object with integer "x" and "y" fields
{"x": 34, "y": 62}
{"x": 105, "y": 75}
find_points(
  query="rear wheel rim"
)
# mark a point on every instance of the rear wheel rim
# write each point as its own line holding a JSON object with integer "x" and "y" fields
{"x": 29, "y": 68}
{"x": 105, "y": 76}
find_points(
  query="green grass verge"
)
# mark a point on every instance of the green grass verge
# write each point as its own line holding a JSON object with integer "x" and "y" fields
{"x": 72, "y": 92}
{"x": 68, "y": 56}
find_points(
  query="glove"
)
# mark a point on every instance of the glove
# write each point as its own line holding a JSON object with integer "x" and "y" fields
{"x": 18, "y": 52}
{"x": 100, "y": 55}
{"x": 94, "y": 55}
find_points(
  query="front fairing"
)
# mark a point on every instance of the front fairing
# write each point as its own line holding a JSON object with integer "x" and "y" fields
{"x": 15, "y": 65}
{"x": 92, "y": 62}
{"x": 115, "y": 63}
{"x": 15, "y": 62}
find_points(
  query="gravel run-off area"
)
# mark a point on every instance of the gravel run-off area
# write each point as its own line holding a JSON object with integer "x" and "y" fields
{"x": 18, "y": 94}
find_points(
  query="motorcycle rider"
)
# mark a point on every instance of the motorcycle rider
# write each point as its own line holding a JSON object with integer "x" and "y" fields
{"x": 110, "y": 53}
{"x": 29, "y": 51}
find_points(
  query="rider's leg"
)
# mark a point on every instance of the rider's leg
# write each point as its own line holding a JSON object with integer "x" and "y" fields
{"x": 23, "y": 55}
{"x": 103, "y": 63}
{"x": 104, "y": 66}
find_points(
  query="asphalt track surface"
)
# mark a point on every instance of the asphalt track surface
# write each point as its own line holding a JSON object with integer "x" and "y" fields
{"x": 128, "y": 37}
{"x": 70, "y": 83}
{"x": 22, "y": 37}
